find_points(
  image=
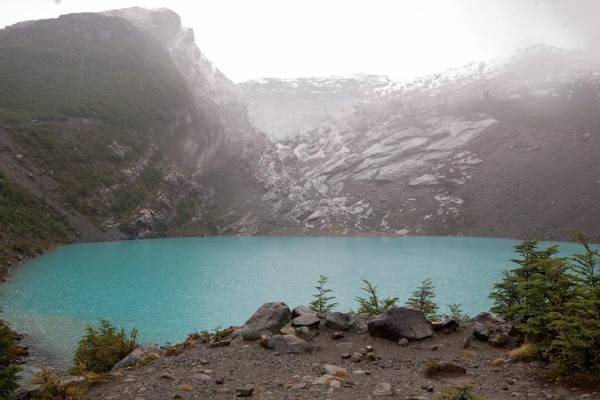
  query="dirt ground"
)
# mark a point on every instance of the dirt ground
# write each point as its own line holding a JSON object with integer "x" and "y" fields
{"x": 204, "y": 372}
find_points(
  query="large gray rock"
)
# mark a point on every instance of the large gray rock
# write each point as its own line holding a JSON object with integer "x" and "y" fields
{"x": 288, "y": 344}
{"x": 308, "y": 320}
{"x": 401, "y": 322}
{"x": 270, "y": 317}
{"x": 138, "y": 355}
{"x": 492, "y": 329}
{"x": 301, "y": 310}
{"x": 342, "y": 321}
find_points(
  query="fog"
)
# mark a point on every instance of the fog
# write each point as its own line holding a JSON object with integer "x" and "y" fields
{"x": 401, "y": 39}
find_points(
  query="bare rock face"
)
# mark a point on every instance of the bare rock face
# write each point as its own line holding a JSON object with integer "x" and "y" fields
{"x": 401, "y": 322}
{"x": 270, "y": 317}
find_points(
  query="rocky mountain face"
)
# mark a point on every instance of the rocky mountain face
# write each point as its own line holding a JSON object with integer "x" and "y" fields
{"x": 508, "y": 150}
{"x": 114, "y": 125}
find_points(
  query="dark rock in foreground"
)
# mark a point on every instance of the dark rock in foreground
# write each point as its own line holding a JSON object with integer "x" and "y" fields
{"x": 401, "y": 322}
{"x": 270, "y": 317}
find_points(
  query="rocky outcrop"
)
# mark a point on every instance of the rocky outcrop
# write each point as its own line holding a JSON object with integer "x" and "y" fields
{"x": 270, "y": 317}
{"x": 400, "y": 322}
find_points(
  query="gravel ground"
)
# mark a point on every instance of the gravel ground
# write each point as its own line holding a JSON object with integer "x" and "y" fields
{"x": 204, "y": 372}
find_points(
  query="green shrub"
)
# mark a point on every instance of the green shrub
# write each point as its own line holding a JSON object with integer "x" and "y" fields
{"x": 372, "y": 304}
{"x": 322, "y": 301}
{"x": 422, "y": 300}
{"x": 554, "y": 302}
{"x": 463, "y": 392}
{"x": 100, "y": 349}
{"x": 456, "y": 313}
{"x": 8, "y": 371}
{"x": 52, "y": 389}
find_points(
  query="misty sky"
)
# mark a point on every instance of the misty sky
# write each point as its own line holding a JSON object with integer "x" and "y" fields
{"x": 399, "y": 38}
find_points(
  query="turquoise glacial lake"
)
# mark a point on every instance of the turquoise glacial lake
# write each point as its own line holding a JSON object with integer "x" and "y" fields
{"x": 170, "y": 287}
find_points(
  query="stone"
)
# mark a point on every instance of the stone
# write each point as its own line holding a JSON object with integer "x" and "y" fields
{"x": 493, "y": 329}
{"x": 337, "y": 372}
{"x": 136, "y": 356}
{"x": 446, "y": 369}
{"x": 403, "y": 342}
{"x": 288, "y": 344}
{"x": 338, "y": 320}
{"x": 202, "y": 377}
{"x": 445, "y": 326}
{"x": 357, "y": 357}
{"x": 244, "y": 391}
{"x": 303, "y": 332}
{"x": 308, "y": 320}
{"x": 185, "y": 387}
{"x": 346, "y": 356}
{"x": 335, "y": 384}
{"x": 270, "y": 317}
{"x": 337, "y": 335}
{"x": 301, "y": 310}
{"x": 383, "y": 389}
{"x": 401, "y": 322}
{"x": 287, "y": 330}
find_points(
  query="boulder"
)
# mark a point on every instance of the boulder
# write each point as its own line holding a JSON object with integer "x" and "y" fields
{"x": 270, "y": 317}
{"x": 288, "y": 344}
{"x": 309, "y": 320}
{"x": 138, "y": 355}
{"x": 446, "y": 369}
{"x": 493, "y": 329}
{"x": 401, "y": 322}
{"x": 305, "y": 333}
{"x": 342, "y": 321}
{"x": 445, "y": 326}
{"x": 301, "y": 310}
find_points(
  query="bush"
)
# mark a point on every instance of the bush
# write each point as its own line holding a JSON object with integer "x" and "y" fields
{"x": 422, "y": 300}
{"x": 100, "y": 349}
{"x": 463, "y": 392}
{"x": 322, "y": 301}
{"x": 456, "y": 313}
{"x": 554, "y": 302}
{"x": 8, "y": 371}
{"x": 372, "y": 304}
{"x": 52, "y": 389}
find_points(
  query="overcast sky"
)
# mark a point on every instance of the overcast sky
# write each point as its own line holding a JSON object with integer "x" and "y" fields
{"x": 399, "y": 38}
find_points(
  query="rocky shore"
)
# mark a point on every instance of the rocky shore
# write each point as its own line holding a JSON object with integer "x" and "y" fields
{"x": 297, "y": 354}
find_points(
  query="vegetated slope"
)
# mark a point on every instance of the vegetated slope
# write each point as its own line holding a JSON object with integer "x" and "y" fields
{"x": 120, "y": 125}
{"x": 507, "y": 150}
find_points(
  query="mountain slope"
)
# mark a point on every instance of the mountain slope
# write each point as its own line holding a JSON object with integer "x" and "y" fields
{"x": 119, "y": 125}
{"x": 508, "y": 150}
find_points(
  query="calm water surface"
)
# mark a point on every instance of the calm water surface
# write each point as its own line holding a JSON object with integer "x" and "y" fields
{"x": 170, "y": 287}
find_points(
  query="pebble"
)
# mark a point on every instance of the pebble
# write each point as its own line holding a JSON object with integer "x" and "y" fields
{"x": 244, "y": 391}
{"x": 403, "y": 342}
{"x": 337, "y": 335}
{"x": 383, "y": 389}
